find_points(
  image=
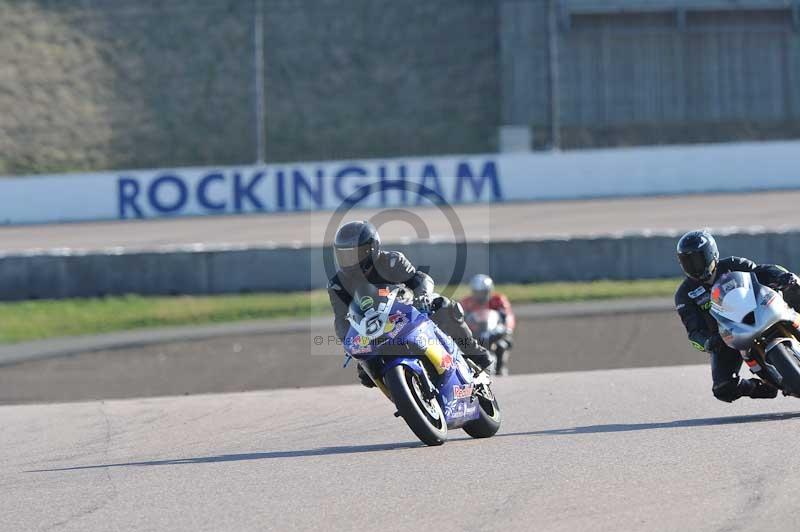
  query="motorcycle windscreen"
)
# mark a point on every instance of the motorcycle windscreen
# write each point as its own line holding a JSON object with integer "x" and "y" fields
{"x": 733, "y": 296}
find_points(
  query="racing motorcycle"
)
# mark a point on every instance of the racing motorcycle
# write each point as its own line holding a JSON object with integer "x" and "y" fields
{"x": 755, "y": 320}
{"x": 487, "y": 325}
{"x": 418, "y": 367}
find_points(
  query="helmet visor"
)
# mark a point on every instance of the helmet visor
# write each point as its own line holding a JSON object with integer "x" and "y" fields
{"x": 482, "y": 296}
{"x": 695, "y": 264}
{"x": 350, "y": 258}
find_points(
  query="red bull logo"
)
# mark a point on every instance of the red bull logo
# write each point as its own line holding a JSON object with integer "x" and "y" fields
{"x": 463, "y": 392}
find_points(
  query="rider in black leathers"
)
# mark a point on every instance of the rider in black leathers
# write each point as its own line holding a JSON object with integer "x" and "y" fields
{"x": 359, "y": 259}
{"x": 699, "y": 257}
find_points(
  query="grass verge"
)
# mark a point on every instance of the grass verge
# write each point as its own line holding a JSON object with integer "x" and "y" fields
{"x": 36, "y": 320}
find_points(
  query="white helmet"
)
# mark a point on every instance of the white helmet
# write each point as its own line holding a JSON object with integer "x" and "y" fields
{"x": 482, "y": 287}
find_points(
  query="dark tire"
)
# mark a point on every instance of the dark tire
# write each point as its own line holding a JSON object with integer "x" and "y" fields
{"x": 490, "y": 418}
{"x": 425, "y": 418}
{"x": 785, "y": 361}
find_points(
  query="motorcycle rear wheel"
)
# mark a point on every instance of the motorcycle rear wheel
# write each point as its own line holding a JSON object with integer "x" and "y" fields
{"x": 424, "y": 417}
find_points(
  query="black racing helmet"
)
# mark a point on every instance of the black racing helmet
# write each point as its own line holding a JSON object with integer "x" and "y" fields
{"x": 356, "y": 245}
{"x": 698, "y": 255}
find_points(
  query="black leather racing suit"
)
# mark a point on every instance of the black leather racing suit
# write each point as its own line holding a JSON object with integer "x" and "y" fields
{"x": 393, "y": 267}
{"x": 693, "y": 301}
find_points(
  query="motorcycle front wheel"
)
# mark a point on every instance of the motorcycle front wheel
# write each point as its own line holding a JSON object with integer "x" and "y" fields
{"x": 490, "y": 418}
{"x": 423, "y": 416}
{"x": 785, "y": 361}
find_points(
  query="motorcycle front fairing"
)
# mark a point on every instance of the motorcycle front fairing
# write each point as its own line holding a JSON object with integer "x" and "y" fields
{"x": 407, "y": 337}
{"x": 744, "y": 309}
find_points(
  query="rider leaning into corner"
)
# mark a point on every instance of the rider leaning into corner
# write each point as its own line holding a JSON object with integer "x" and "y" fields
{"x": 482, "y": 297}
{"x": 359, "y": 259}
{"x": 699, "y": 258}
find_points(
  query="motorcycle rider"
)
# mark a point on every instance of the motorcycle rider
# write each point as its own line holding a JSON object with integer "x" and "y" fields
{"x": 359, "y": 259}
{"x": 483, "y": 297}
{"x": 698, "y": 256}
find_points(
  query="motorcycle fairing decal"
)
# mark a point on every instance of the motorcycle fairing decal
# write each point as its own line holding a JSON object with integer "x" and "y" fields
{"x": 463, "y": 391}
{"x": 427, "y": 339}
{"x": 754, "y": 366}
{"x": 395, "y": 325}
{"x": 456, "y": 396}
{"x": 457, "y": 410}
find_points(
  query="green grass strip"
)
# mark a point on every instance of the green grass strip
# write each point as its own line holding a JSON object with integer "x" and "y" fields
{"x": 36, "y": 320}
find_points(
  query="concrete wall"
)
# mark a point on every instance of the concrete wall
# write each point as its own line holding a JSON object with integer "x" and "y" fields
{"x": 652, "y": 71}
{"x": 108, "y": 84}
{"x": 213, "y": 191}
{"x": 258, "y": 270}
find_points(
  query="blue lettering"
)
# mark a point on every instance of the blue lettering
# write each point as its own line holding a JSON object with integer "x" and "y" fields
{"x": 488, "y": 173}
{"x": 202, "y": 193}
{"x": 360, "y": 192}
{"x": 165, "y": 207}
{"x": 434, "y": 194}
{"x": 127, "y": 192}
{"x": 281, "y": 190}
{"x": 393, "y": 184}
{"x": 242, "y": 191}
{"x": 299, "y": 182}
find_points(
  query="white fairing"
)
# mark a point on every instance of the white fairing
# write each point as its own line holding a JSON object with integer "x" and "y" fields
{"x": 738, "y": 303}
{"x": 485, "y": 319}
{"x": 374, "y": 320}
{"x": 745, "y": 310}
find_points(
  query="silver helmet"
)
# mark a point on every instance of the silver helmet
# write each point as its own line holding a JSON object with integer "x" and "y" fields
{"x": 482, "y": 287}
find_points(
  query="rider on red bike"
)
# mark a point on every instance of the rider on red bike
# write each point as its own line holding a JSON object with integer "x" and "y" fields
{"x": 485, "y": 298}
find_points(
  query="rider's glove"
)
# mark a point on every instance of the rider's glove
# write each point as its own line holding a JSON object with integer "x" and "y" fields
{"x": 423, "y": 303}
{"x": 787, "y": 280}
{"x": 713, "y": 344}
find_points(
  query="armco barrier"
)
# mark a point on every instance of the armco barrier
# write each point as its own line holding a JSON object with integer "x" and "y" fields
{"x": 219, "y": 271}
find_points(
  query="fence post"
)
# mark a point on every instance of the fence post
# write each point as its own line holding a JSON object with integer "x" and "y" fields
{"x": 555, "y": 101}
{"x": 258, "y": 58}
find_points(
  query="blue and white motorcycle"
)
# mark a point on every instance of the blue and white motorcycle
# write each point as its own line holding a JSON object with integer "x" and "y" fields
{"x": 418, "y": 367}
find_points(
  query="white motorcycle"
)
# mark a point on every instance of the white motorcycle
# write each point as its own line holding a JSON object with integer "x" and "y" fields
{"x": 756, "y": 321}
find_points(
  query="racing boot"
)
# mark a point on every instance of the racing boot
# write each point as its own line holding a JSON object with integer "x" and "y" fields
{"x": 757, "y": 389}
{"x": 365, "y": 379}
{"x": 449, "y": 316}
{"x": 475, "y": 352}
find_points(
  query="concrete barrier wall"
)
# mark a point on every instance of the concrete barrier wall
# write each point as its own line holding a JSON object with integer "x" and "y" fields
{"x": 405, "y": 182}
{"x": 45, "y": 276}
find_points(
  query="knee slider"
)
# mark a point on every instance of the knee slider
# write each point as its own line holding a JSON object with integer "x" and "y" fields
{"x": 727, "y": 391}
{"x": 452, "y": 308}
{"x": 458, "y": 311}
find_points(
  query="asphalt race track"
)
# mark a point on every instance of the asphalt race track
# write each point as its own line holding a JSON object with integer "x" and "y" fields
{"x": 554, "y": 219}
{"x": 573, "y": 337}
{"x": 643, "y": 449}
